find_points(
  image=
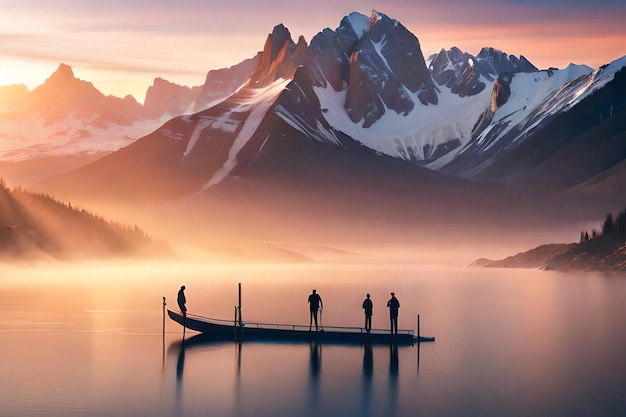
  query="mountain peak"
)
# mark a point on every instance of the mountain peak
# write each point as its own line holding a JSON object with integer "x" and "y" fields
{"x": 377, "y": 16}
{"x": 63, "y": 72}
{"x": 279, "y": 36}
{"x": 279, "y": 58}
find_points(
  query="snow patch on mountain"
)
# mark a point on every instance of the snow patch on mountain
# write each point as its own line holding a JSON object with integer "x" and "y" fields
{"x": 359, "y": 23}
{"x": 33, "y": 138}
{"x": 411, "y": 136}
{"x": 259, "y": 102}
{"x": 530, "y": 91}
{"x": 317, "y": 132}
{"x": 600, "y": 78}
{"x": 203, "y": 123}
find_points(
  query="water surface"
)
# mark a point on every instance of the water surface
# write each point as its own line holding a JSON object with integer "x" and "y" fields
{"x": 87, "y": 340}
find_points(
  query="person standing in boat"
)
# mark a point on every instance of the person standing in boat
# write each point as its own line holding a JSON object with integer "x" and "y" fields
{"x": 393, "y": 305}
{"x": 315, "y": 303}
{"x": 182, "y": 300}
{"x": 368, "y": 308}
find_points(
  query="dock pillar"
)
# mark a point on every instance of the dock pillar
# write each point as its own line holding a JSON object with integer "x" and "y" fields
{"x": 240, "y": 319}
{"x": 418, "y": 328}
{"x": 235, "y": 323}
{"x": 164, "y": 304}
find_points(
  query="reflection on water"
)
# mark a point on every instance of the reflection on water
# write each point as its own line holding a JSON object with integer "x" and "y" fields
{"x": 319, "y": 400}
{"x": 509, "y": 343}
{"x": 367, "y": 380}
{"x": 315, "y": 368}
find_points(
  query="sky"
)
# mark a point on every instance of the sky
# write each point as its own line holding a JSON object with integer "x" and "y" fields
{"x": 122, "y": 45}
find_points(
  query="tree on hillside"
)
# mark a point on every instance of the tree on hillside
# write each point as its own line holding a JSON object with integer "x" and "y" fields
{"x": 608, "y": 225}
{"x": 620, "y": 222}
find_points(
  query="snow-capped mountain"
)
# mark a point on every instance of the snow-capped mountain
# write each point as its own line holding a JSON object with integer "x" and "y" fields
{"x": 360, "y": 95}
{"x": 542, "y": 126}
{"x": 66, "y": 116}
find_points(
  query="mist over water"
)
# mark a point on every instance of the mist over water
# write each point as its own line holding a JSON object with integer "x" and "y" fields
{"x": 86, "y": 340}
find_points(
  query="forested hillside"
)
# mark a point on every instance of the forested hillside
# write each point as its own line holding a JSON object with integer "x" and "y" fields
{"x": 603, "y": 249}
{"x": 38, "y": 226}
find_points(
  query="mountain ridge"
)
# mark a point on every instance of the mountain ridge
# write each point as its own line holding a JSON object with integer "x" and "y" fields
{"x": 349, "y": 95}
{"x": 357, "y": 126}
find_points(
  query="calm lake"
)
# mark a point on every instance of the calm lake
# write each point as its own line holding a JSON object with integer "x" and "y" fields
{"x": 86, "y": 340}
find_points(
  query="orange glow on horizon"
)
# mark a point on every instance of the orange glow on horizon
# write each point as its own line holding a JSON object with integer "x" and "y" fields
{"x": 122, "y": 54}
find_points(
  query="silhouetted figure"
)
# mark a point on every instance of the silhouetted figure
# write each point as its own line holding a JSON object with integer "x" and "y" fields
{"x": 182, "y": 301}
{"x": 315, "y": 302}
{"x": 393, "y": 305}
{"x": 368, "y": 308}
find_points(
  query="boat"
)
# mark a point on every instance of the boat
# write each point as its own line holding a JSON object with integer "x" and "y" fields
{"x": 234, "y": 330}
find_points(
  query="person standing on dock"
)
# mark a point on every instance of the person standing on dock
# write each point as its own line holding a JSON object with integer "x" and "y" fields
{"x": 315, "y": 303}
{"x": 393, "y": 305}
{"x": 368, "y": 308}
{"x": 182, "y": 300}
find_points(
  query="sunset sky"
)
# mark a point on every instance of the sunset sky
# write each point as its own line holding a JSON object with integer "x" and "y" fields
{"x": 122, "y": 45}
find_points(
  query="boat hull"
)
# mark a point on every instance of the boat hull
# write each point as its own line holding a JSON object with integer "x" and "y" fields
{"x": 224, "y": 330}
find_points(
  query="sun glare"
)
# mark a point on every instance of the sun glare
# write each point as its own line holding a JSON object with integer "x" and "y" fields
{"x": 29, "y": 73}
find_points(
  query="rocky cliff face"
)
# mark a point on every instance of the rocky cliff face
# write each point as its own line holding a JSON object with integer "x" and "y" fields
{"x": 386, "y": 71}
{"x": 461, "y": 72}
{"x": 166, "y": 98}
{"x": 455, "y": 69}
{"x": 221, "y": 83}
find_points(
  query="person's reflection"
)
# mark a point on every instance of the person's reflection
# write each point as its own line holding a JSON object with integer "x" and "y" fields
{"x": 180, "y": 367}
{"x": 316, "y": 360}
{"x": 394, "y": 362}
{"x": 315, "y": 367}
{"x": 368, "y": 372}
{"x": 180, "y": 364}
{"x": 393, "y": 379}
{"x": 368, "y": 362}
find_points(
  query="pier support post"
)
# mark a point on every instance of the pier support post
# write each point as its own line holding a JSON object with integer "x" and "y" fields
{"x": 418, "y": 328}
{"x": 164, "y": 304}
{"x": 235, "y": 323}
{"x": 240, "y": 319}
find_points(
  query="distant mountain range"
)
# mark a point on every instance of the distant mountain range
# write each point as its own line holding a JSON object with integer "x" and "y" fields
{"x": 68, "y": 116}
{"x": 357, "y": 124}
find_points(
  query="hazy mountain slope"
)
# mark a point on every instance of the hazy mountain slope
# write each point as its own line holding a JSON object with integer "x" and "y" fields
{"x": 595, "y": 151}
{"x": 221, "y": 83}
{"x": 533, "y": 258}
{"x": 68, "y": 116}
{"x": 188, "y": 152}
{"x": 603, "y": 253}
{"x": 35, "y": 226}
{"x": 606, "y": 185}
